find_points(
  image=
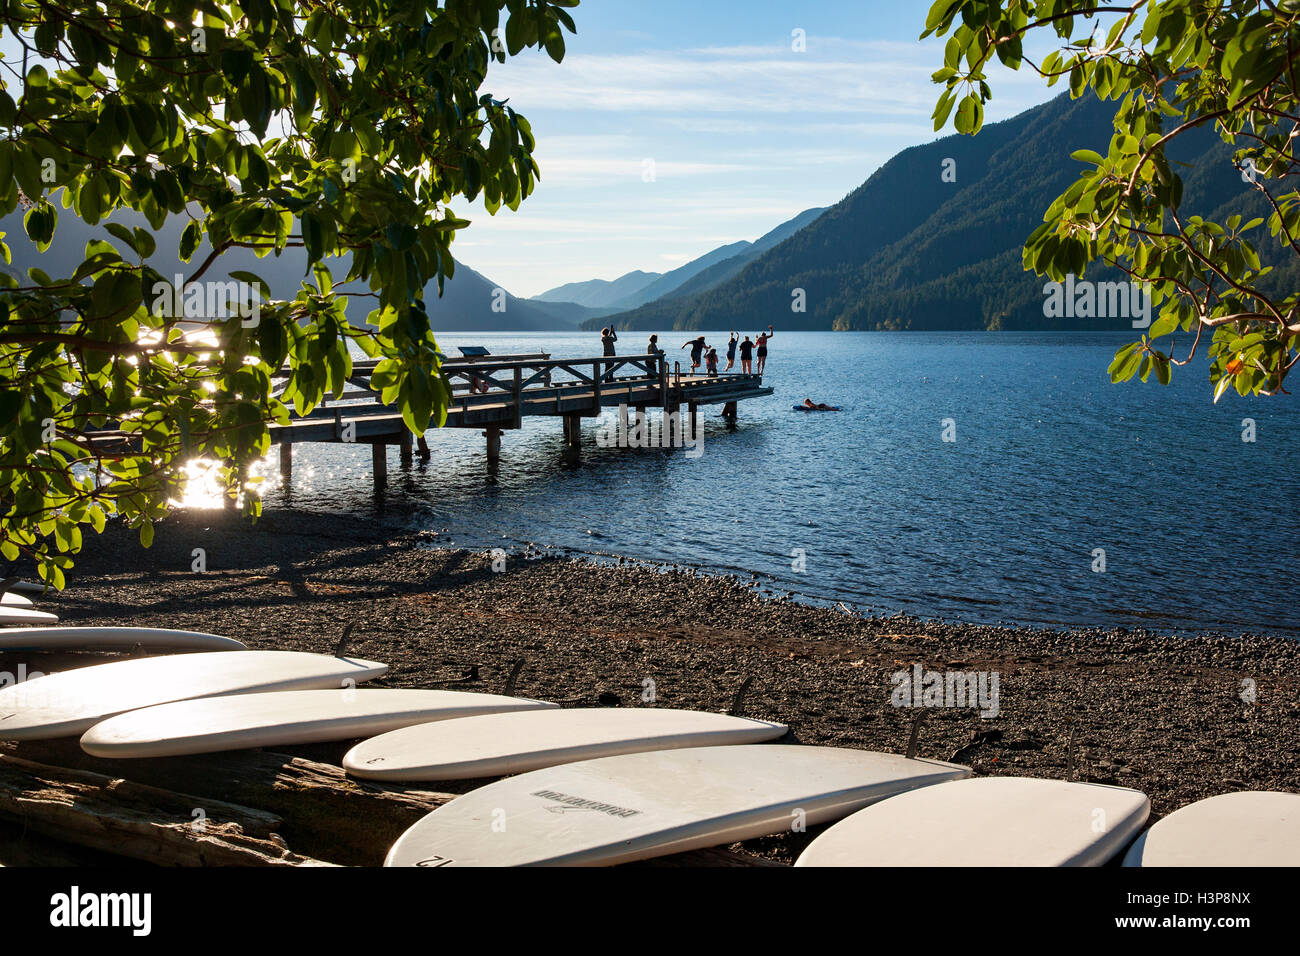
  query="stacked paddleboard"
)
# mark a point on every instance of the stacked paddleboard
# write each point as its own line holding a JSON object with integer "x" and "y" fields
{"x": 1252, "y": 828}
{"x": 990, "y": 821}
{"x": 508, "y": 743}
{"x": 112, "y": 638}
{"x": 73, "y": 701}
{"x": 280, "y": 718}
{"x": 635, "y": 806}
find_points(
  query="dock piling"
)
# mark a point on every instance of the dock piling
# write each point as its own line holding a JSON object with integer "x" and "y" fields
{"x": 572, "y": 431}
{"x": 379, "y": 463}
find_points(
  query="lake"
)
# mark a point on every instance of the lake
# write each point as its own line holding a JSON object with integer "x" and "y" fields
{"x": 1051, "y": 465}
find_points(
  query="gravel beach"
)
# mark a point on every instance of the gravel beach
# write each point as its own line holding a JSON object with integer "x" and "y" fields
{"x": 1179, "y": 718}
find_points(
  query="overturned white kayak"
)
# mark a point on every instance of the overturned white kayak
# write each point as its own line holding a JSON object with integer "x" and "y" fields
{"x": 989, "y": 821}
{"x": 112, "y": 638}
{"x": 71, "y": 702}
{"x": 499, "y": 744}
{"x": 281, "y": 718}
{"x": 635, "y": 806}
{"x": 1251, "y": 828}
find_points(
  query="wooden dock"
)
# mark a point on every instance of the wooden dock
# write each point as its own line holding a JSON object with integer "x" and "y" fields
{"x": 496, "y": 393}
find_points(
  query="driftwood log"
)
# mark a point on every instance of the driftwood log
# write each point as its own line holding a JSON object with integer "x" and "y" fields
{"x": 317, "y": 809}
{"x": 139, "y": 821}
{"x": 324, "y": 814}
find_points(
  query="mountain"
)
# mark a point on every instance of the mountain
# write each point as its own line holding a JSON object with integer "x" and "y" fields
{"x": 720, "y": 272}
{"x": 669, "y": 281}
{"x": 908, "y": 250}
{"x": 599, "y": 293}
{"x": 470, "y": 301}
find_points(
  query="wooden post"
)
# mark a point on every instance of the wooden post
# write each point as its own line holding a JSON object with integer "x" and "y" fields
{"x": 729, "y": 410}
{"x": 422, "y": 445}
{"x": 404, "y": 447}
{"x": 572, "y": 431}
{"x": 692, "y": 407}
{"x": 286, "y": 461}
{"x": 519, "y": 397}
{"x": 379, "y": 463}
{"x": 493, "y": 436}
{"x": 595, "y": 387}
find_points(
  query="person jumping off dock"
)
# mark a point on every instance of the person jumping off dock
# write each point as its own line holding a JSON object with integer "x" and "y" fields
{"x": 711, "y": 363}
{"x": 762, "y": 349}
{"x": 697, "y": 352}
{"x": 731, "y": 350}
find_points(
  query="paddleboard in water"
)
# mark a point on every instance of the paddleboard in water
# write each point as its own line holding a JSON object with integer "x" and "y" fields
{"x": 111, "y": 638}
{"x": 286, "y": 717}
{"x": 10, "y": 614}
{"x": 1251, "y": 828}
{"x": 514, "y": 743}
{"x": 72, "y": 702}
{"x": 10, "y": 599}
{"x": 636, "y": 806}
{"x": 991, "y": 821}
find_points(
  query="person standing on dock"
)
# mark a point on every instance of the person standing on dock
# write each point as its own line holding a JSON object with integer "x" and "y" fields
{"x": 762, "y": 349}
{"x": 697, "y": 352}
{"x": 746, "y": 356}
{"x": 652, "y": 348}
{"x": 731, "y": 350}
{"x": 607, "y": 339}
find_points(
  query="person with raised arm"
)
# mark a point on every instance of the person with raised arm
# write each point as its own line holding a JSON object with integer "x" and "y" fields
{"x": 762, "y": 349}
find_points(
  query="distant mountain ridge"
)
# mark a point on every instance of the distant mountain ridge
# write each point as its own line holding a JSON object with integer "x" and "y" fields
{"x": 613, "y": 295}
{"x": 599, "y": 293}
{"x": 907, "y": 250}
{"x": 470, "y": 301}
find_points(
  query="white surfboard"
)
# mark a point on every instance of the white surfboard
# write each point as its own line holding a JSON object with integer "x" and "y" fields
{"x": 989, "y": 821}
{"x": 1251, "y": 828}
{"x": 11, "y": 614}
{"x": 636, "y": 806}
{"x": 213, "y": 724}
{"x": 112, "y": 638}
{"x": 72, "y": 702}
{"x": 10, "y": 599}
{"x": 514, "y": 743}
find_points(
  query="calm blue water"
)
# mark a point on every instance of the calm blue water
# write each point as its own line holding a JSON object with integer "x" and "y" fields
{"x": 1051, "y": 462}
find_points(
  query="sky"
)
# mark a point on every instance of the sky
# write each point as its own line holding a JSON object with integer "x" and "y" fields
{"x": 676, "y": 126}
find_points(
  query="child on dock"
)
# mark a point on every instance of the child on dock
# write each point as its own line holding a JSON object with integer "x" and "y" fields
{"x": 711, "y": 363}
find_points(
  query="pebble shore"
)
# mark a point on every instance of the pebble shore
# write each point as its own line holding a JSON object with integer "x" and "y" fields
{"x": 1180, "y": 718}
